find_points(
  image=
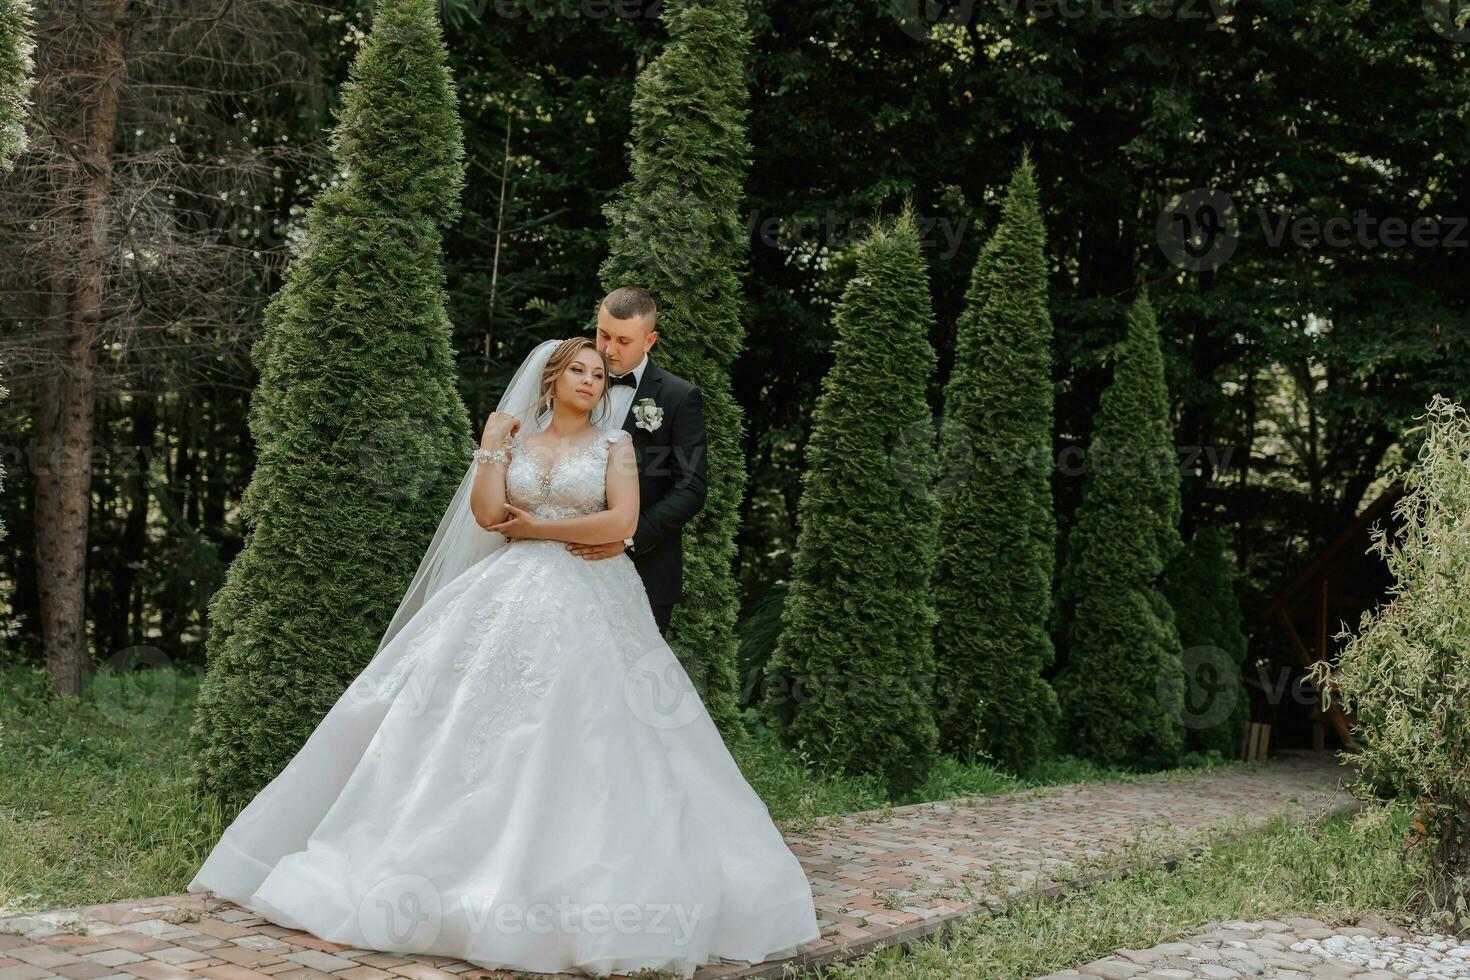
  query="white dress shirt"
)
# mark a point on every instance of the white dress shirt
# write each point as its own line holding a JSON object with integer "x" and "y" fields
{"x": 621, "y": 396}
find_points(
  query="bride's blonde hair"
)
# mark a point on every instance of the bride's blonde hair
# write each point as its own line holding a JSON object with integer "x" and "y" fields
{"x": 565, "y": 353}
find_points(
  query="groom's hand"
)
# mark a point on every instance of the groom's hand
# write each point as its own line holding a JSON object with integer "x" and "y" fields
{"x": 593, "y": 552}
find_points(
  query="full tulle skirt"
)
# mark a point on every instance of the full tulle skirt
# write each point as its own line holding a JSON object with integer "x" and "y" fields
{"x": 523, "y": 778}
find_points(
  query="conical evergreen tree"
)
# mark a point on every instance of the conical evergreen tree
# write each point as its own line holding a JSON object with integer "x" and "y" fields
{"x": 676, "y": 231}
{"x": 1201, "y": 592}
{"x": 4, "y": 394}
{"x": 997, "y": 529}
{"x": 16, "y": 66}
{"x": 360, "y": 432}
{"x": 1121, "y": 690}
{"x": 850, "y": 682}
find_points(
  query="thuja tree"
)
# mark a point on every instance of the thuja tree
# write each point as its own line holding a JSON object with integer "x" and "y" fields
{"x": 676, "y": 231}
{"x": 1201, "y": 591}
{"x": 360, "y": 433}
{"x": 1405, "y": 674}
{"x": 4, "y": 393}
{"x": 1121, "y": 689}
{"x": 850, "y": 682}
{"x": 16, "y": 66}
{"x": 998, "y": 532}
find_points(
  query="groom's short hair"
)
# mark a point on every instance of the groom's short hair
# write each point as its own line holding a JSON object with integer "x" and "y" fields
{"x": 626, "y": 302}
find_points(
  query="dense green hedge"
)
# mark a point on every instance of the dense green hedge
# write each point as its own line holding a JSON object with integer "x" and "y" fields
{"x": 851, "y": 680}
{"x": 1201, "y": 589}
{"x": 676, "y": 231}
{"x": 997, "y": 531}
{"x": 360, "y": 431}
{"x": 1121, "y": 689}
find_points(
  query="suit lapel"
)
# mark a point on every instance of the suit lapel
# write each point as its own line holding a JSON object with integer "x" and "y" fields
{"x": 648, "y": 387}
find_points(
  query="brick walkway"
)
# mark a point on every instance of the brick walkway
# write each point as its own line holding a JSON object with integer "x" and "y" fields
{"x": 877, "y": 880}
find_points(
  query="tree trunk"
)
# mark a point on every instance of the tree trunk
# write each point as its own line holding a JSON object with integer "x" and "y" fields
{"x": 65, "y": 415}
{"x": 63, "y": 492}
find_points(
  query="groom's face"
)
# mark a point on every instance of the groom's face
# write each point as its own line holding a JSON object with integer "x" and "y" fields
{"x": 624, "y": 341}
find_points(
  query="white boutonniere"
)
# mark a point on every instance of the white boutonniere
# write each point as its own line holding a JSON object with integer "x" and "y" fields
{"x": 647, "y": 415}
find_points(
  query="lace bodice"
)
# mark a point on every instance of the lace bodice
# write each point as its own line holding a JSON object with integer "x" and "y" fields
{"x": 551, "y": 488}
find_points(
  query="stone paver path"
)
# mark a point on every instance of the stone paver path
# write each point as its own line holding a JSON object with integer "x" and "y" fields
{"x": 877, "y": 878}
{"x": 1289, "y": 948}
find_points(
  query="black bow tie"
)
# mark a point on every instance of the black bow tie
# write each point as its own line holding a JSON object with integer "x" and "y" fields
{"x": 625, "y": 379}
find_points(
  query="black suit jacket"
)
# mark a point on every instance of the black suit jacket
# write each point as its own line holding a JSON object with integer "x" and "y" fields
{"x": 673, "y": 475}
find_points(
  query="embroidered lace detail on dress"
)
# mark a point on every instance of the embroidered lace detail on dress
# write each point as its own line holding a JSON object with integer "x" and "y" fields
{"x": 498, "y": 678}
{"x": 574, "y": 484}
{"x": 493, "y": 657}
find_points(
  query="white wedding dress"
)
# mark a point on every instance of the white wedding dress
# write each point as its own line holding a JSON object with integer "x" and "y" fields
{"x": 523, "y": 778}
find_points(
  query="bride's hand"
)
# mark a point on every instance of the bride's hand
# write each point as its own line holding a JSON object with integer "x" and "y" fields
{"x": 520, "y": 524}
{"x": 500, "y": 427}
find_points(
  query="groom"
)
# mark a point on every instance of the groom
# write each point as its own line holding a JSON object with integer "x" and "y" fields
{"x": 665, "y": 416}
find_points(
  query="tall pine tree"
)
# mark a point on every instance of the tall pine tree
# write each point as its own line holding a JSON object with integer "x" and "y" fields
{"x": 16, "y": 66}
{"x": 360, "y": 432}
{"x": 851, "y": 679}
{"x": 1201, "y": 592}
{"x": 676, "y": 231}
{"x": 1121, "y": 689}
{"x": 997, "y": 530}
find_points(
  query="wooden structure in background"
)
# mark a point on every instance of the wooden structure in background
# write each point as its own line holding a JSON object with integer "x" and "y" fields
{"x": 1255, "y": 738}
{"x": 1340, "y": 582}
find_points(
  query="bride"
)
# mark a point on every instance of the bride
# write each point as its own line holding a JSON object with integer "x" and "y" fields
{"x": 523, "y": 776}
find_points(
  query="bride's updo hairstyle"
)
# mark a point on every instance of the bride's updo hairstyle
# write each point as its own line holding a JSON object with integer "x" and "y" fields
{"x": 565, "y": 353}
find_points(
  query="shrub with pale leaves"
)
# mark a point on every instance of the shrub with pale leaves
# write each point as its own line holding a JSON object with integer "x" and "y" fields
{"x": 1406, "y": 672}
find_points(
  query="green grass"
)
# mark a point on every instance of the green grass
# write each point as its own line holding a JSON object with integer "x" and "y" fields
{"x": 1336, "y": 870}
{"x": 94, "y": 806}
{"x": 92, "y": 801}
{"x": 794, "y": 793}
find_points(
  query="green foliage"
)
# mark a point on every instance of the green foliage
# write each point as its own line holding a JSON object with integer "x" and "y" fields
{"x": 545, "y": 102}
{"x": 759, "y": 631}
{"x": 361, "y": 434}
{"x": 16, "y": 67}
{"x": 851, "y": 680}
{"x": 997, "y": 530}
{"x": 1337, "y": 869}
{"x": 677, "y": 232}
{"x": 4, "y": 394}
{"x": 1406, "y": 671}
{"x": 1201, "y": 591}
{"x": 398, "y": 132}
{"x": 1121, "y": 690}
{"x": 95, "y": 788}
